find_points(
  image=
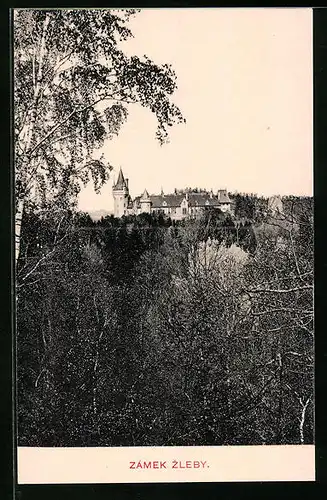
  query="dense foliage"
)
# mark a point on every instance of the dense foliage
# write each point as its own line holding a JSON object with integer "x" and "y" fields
{"x": 141, "y": 331}
{"x": 73, "y": 89}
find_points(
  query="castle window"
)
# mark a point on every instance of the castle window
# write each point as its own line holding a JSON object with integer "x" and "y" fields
{"x": 184, "y": 211}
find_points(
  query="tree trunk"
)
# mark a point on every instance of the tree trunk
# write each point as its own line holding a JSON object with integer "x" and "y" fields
{"x": 302, "y": 420}
{"x": 27, "y": 138}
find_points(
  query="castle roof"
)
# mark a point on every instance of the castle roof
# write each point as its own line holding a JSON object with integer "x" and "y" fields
{"x": 202, "y": 199}
{"x": 157, "y": 200}
{"x": 121, "y": 183}
{"x": 175, "y": 199}
{"x": 145, "y": 196}
{"x": 168, "y": 200}
{"x": 194, "y": 199}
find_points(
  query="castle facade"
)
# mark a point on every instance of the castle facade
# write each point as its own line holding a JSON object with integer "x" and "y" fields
{"x": 177, "y": 206}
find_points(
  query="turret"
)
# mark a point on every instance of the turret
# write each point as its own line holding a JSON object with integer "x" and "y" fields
{"x": 224, "y": 200}
{"x": 145, "y": 202}
{"x": 120, "y": 193}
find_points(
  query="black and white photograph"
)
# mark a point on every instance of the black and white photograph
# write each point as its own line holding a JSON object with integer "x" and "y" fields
{"x": 164, "y": 227}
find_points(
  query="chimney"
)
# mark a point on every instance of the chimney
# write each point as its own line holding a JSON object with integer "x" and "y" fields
{"x": 126, "y": 181}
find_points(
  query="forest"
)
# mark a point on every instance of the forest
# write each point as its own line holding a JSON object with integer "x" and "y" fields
{"x": 141, "y": 331}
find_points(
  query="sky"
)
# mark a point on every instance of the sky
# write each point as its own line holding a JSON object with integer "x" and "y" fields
{"x": 245, "y": 87}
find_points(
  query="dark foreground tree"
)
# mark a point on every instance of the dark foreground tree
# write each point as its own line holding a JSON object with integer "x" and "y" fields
{"x": 72, "y": 88}
{"x": 133, "y": 333}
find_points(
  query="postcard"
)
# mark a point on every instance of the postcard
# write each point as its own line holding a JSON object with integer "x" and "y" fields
{"x": 164, "y": 245}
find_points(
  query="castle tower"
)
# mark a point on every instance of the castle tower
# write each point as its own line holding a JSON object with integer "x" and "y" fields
{"x": 145, "y": 202}
{"x": 120, "y": 193}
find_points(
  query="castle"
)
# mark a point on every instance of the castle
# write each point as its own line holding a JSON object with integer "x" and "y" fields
{"x": 177, "y": 206}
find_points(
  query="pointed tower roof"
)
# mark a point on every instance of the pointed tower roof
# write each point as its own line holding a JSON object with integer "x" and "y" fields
{"x": 145, "y": 196}
{"x": 120, "y": 184}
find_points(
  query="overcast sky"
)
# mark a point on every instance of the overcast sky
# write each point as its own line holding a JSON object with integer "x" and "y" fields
{"x": 245, "y": 89}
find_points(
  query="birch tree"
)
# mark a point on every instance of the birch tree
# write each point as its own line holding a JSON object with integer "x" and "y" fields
{"x": 73, "y": 85}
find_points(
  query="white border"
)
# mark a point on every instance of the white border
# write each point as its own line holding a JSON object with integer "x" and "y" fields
{"x": 201, "y": 464}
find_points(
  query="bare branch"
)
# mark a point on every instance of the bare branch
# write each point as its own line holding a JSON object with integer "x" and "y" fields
{"x": 287, "y": 290}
